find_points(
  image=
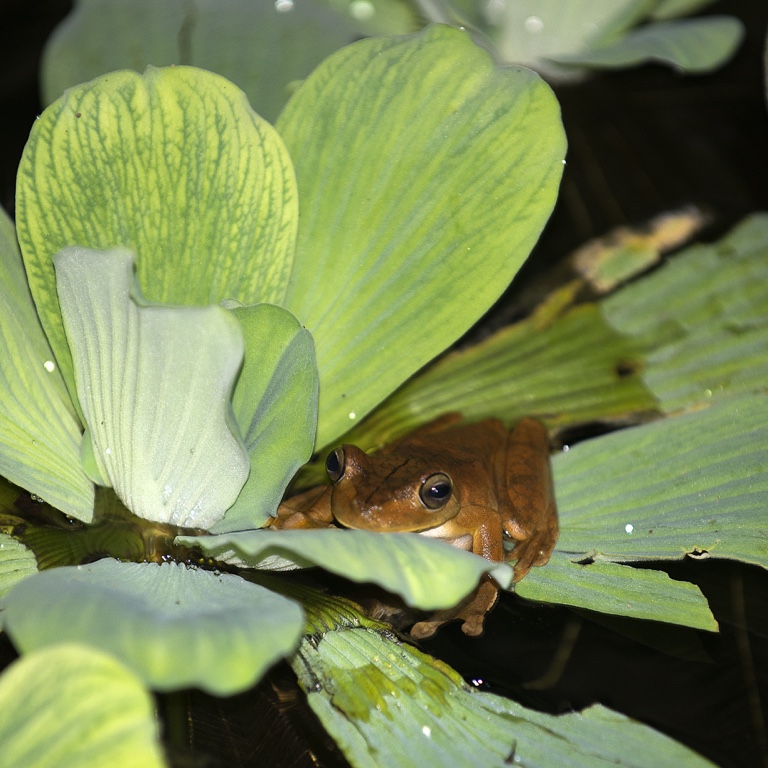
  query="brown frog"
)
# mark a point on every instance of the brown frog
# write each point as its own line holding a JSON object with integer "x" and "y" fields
{"x": 471, "y": 485}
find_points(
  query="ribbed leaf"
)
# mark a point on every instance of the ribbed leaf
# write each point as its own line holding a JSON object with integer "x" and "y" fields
{"x": 39, "y": 432}
{"x": 175, "y": 626}
{"x": 275, "y": 406}
{"x": 693, "y": 330}
{"x": 16, "y": 563}
{"x": 426, "y": 573}
{"x": 154, "y": 383}
{"x": 259, "y": 45}
{"x": 399, "y": 250}
{"x": 695, "y": 483}
{"x": 70, "y": 706}
{"x": 387, "y": 704}
{"x": 172, "y": 164}
{"x": 618, "y": 590}
{"x": 692, "y": 45}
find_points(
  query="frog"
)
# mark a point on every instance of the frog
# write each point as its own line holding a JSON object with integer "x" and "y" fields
{"x": 476, "y": 486}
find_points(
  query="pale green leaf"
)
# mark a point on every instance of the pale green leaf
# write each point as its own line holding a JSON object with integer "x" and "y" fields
{"x": 692, "y": 45}
{"x": 399, "y": 144}
{"x": 172, "y": 164}
{"x": 619, "y": 590}
{"x": 259, "y": 45}
{"x": 426, "y": 573}
{"x": 671, "y": 9}
{"x": 695, "y": 483}
{"x": 275, "y": 406}
{"x": 39, "y": 432}
{"x": 175, "y": 626}
{"x": 70, "y": 706}
{"x": 154, "y": 383}
{"x": 563, "y": 371}
{"x": 529, "y": 30}
{"x": 387, "y": 704}
{"x": 693, "y": 330}
{"x": 701, "y": 319}
{"x": 16, "y": 562}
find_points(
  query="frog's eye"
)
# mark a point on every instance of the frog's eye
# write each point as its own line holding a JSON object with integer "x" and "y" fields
{"x": 334, "y": 465}
{"x": 435, "y": 491}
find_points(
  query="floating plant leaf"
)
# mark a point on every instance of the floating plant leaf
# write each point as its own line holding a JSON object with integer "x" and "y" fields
{"x": 172, "y": 164}
{"x": 40, "y": 434}
{"x": 399, "y": 248}
{"x": 71, "y": 706}
{"x": 175, "y": 626}
{"x": 154, "y": 383}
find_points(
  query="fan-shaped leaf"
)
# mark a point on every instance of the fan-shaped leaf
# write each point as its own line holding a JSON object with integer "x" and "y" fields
{"x": 425, "y": 175}
{"x": 175, "y": 626}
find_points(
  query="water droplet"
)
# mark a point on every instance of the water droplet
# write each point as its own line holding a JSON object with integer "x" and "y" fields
{"x": 352, "y": 415}
{"x": 426, "y": 730}
{"x": 49, "y": 366}
{"x": 108, "y": 451}
{"x": 629, "y": 527}
{"x": 283, "y": 6}
{"x": 533, "y": 25}
{"x": 362, "y": 9}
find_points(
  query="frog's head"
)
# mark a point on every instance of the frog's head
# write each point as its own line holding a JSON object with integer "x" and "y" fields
{"x": 388, "y": 492}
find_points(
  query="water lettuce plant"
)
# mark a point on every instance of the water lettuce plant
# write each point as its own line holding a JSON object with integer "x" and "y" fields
{"x": 158, "y": 221}
{"x": 265, "y": 46}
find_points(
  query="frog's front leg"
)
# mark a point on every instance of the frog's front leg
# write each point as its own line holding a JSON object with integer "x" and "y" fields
{"x": 485, "y": 526}
{"x": 532, "y": 522}
{"x": 311, "y": 509}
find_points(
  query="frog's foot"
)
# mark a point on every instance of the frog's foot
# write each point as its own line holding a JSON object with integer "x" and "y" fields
{"x": 471, "y": 611}
{"x": 533, "y": 551}
{"x": 307, "y": 510}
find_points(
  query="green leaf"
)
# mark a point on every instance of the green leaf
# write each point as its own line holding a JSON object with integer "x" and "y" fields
{"x": 701, "y": 319}
{"x": 175, "y": 626}
{"x": 692, "y": 45}
{"x": 619, "y": 590}
{"x": 260, "y": 46}
{"x": 275, "y": 406}
{"x": 529, "y": 30}
{"x": 172, "y": 164}
{"x": 154, "y": 384}
{"x": 397, "y": 144}
{"x": 695, "y": 483}
{"x": 40, "y": 434}
{"x": 70, "y": 706}
{"x": 426, "y": 573}
{"x": 16, "y": 563}
{"x": 563, "y": 370}
{"x": 670, "y": 9}
{"x": 386, "y": 703}
{"x": 692, "y": 331}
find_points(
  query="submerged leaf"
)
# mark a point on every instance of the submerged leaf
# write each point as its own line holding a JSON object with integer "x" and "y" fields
{"x": 40, "y": 434}
{"x": 175, "y": 626}
{"x": 71, "y": 706}
{"x": 154, "y": 384}
{"x": 399, "y": 144}
{"x": 426, "y": 573}
{"x": 176, "y": 166}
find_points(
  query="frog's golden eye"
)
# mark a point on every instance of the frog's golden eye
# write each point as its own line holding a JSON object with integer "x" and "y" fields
{"x": 335, "y": 464}
{"x": 435, "y": 491}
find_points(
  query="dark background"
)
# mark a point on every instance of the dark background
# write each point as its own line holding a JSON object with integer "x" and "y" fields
{"x": 642, "y": 141}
